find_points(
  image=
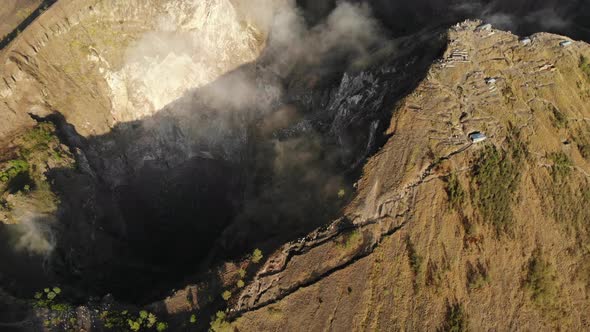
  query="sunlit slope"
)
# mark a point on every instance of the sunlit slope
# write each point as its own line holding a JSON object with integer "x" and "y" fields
{"x": 449, "y": 234}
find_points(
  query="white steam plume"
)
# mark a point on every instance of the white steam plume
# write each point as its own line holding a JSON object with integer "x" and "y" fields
{"x": 33, "y": 233}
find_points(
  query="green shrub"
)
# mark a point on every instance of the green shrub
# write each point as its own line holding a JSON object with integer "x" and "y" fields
{"x": 114, "y": 319}
{"x": 59, "y": 315}
{"x": 351, "y": 239}
{"x": 125, "y": 321}
{"x": 562, "y": 165}
{"x": 39, "y": 138}
{"x": 219, "y": 324}
{"x": 415, "y": 261}
{"x": 46, "y": 299}
{"x": 134, "y": 325}
{"x": 226, "y": 295}
{"x": 257, "y": 256}
{"x": 51, "y": 295}
{"x": 14, "y": 168}
{"x": 161, "y": 327}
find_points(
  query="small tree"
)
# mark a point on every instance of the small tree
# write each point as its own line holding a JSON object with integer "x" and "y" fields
{"x": 257, "y": 256}
{"x": 226, "y": 295}
{"x": 161, "y": 327}
{"x": 219, "y": 324}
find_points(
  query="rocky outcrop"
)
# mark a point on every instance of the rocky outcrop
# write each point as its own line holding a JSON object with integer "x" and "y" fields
{"x": 124, "y": 60}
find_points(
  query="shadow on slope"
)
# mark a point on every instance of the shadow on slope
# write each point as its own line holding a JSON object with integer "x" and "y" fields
{"x": 207, "y": 180}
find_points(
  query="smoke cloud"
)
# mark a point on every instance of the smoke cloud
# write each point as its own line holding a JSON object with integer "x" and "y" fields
{"x": 185, "y": 53}
{"x": 543, "y": 19}
{"x": 192, "y": 45}
{"x": 33, "y": 233}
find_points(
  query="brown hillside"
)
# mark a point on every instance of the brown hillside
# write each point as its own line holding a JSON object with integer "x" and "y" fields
{"x": 449, "y": 234}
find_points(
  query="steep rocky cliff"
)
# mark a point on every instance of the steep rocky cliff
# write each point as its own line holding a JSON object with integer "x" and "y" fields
{"x": 150, "y": 145}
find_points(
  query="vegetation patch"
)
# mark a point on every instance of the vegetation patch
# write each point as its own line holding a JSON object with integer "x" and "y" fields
{"x": 13, "y": 168}
{"x": 495, "y": 180}
{"x": 541, "y": 280}
{"x": 58, "y": 315}
{"x": 145, "y": 319}
{"x": 570, "y": 205}
{"x": 23, "y": 180}
{"x": 16, "y": 177}
{"x": 584, "y": 65}
{"x": 582, "y": 139}
{"x": 257, "y": 256}
{"x": 456, "y": 319}
{"x": 435, "y": 273}
{"x": 566, "y": 196}
{"x": 219, "y": 323}
{"x": 559, "y": 119}
{"x": 477, "y": 276}
{"x": 416, "y": 261}
{"x": 562, "y": 165}
{"x": 126, "y": 321}
{"x": 226, "y": 295}
{"x": 351, "y": 239}
{"x": 454, "y": 190}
